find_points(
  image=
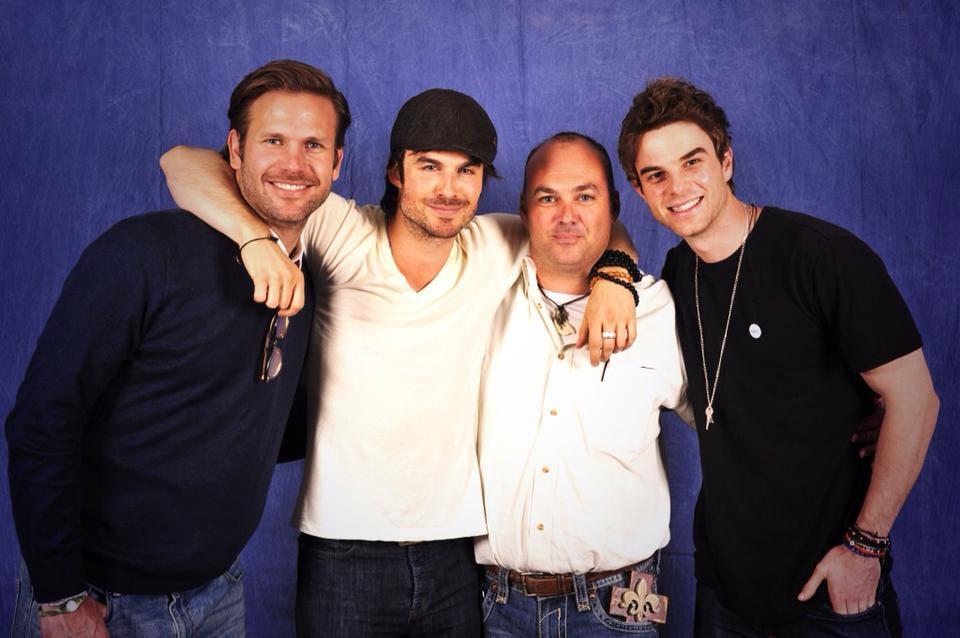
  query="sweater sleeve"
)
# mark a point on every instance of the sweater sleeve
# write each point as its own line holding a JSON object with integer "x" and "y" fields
{"x": 94, "y": 327}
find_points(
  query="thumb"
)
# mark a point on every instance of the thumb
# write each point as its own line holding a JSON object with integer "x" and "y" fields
{"x": 810, "y": 588}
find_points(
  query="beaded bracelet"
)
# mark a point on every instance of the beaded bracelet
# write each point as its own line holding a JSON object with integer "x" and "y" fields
{"x": 619, "y": 282}
{"x": 866, "y": 544}
{"x": 617, "y": 271}
{"x": 619, "y": 259}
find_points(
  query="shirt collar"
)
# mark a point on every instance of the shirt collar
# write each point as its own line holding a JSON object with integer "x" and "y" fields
{"x": 297, "y": 254}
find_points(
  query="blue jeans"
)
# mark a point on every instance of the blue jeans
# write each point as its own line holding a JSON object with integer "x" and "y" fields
{"x": 356, "y": 589}
{"x": 508, "y": 613}
{"x": 882, "y": 620}
{"x": 213, "y": 610}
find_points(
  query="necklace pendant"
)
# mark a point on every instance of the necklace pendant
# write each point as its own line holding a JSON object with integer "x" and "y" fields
{"x": 709, "y": 413}
{"x": 563, "y": 329}
{"x": 560, "y": 315}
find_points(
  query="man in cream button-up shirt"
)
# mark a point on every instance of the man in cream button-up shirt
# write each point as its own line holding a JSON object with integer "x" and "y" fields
{"x": 572, "y": 476}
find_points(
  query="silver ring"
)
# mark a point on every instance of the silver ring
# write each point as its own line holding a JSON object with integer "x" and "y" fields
{"x": 608, "y": 334}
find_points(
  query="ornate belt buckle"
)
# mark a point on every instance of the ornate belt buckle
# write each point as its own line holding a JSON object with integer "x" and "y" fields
{"x": 638, "y": 603}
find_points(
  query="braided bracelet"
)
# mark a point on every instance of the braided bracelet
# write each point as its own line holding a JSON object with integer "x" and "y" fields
{"x": 239, "y": 256}
{"x": 619, "y": 259}
{"x": 865, "y": 544}
{"x": 619, "y": 282}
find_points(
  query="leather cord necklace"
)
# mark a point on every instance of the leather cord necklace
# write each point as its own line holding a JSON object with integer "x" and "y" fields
{"x": 751, "y": 212}
{"x": 560, "y": 315}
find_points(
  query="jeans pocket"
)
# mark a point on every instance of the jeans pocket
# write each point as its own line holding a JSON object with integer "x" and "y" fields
{"x": 234, "y": 573}
{"x": 325, "y": 546}
{"x": 827, "y": 612}
{"x": 488, "y": 599}
{"x": 26, "y": 622}
{"x": 105, "y": 598}
{"x": 599, "y": 602}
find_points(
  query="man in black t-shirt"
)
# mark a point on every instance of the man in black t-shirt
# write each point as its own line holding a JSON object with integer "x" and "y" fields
{"x": 790, "y": 327}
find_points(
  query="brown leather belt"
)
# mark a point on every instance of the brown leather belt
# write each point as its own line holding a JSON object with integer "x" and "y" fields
{"x": 548, "y": 584}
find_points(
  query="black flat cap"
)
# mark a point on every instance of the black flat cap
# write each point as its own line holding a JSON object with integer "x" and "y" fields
{"x": 445, "y": 120}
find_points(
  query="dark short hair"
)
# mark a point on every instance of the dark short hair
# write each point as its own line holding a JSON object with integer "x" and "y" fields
{"x": 391, "y": 195}
{"x": 602, "y": 155}
{"x": 664, "y": 101}
{"x": 291, "y": 76}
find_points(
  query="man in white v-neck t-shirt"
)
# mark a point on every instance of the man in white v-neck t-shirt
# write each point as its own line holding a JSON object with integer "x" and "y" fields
{"x": 391, "y": 493}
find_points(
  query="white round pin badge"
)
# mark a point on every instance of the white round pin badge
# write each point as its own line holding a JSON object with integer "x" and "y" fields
{"x": 755, "y": 331}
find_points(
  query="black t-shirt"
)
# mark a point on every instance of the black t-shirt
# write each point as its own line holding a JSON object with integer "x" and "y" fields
{"x": 814, "y": 308}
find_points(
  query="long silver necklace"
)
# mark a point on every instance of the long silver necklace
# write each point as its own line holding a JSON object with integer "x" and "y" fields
{"x": 711, "y": 393}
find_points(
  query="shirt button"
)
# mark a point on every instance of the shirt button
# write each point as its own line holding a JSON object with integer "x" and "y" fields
{"x": 553, "y": 412}
{"x": 545, "y": 469}
{"x": 540, "y": 526}
{"x": 560, "y": 356}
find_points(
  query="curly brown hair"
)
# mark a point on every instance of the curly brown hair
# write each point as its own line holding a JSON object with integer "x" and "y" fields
{"x": 664, "y": 101}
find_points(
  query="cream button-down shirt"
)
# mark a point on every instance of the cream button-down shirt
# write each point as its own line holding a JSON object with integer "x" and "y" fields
{"x": 572, "y": 475}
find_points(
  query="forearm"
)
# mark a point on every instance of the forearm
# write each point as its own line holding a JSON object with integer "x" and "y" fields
{"x": 620, "y": 240}
{"x": 901, "y": 449}
{"x": 912, "y": 407}
{"x": 92, "y": 331}
{"x": 44, "y": 491}
{"x": 201, "y": 182}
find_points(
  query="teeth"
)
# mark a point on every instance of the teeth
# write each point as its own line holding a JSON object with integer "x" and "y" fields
{"x": 289, "y": 187}
{"x": 682, "y": 208}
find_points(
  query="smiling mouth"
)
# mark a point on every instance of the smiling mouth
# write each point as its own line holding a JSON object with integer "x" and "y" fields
{"x": 448, "y": 208}
{"x": 289, "y": 186}
{"x": 685, "y": 206}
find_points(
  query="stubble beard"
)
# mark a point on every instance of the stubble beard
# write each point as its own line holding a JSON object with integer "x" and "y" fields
{"x": 415, "y": 219}
{"x": 274, "y": 213}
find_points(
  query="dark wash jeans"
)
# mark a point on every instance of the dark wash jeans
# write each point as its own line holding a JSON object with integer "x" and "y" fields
{"x": 356, "y": 589}
{"x": 882, "y": 620}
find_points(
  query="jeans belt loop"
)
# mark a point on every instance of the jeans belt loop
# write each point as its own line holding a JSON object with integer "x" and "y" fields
{"x": 503, "y": 585}
{"x": 580, "y": 589}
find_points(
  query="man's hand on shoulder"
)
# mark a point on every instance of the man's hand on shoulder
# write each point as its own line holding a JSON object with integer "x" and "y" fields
{"x": 85, "y": 622}
{"x": 851, "y": 580}
{"x": 611, "y": 310}
{"x": 277, "y": 280}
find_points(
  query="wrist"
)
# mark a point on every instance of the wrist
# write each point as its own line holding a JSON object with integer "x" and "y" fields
{"x": 867, "y": 544}
{"x": 66, "y": 605}
{"x": 253, "y": 230}
{"x": 872, "y": 526}
{"x": 602, "y": 276}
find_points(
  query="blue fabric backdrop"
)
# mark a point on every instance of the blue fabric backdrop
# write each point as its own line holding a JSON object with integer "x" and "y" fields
{"x": 849, "y": 111}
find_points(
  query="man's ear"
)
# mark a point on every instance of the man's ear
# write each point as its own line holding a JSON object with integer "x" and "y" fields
{"x": 393, "y": 174}
{"x": 233, "y": 145}
{"x": 727, "y": 164}
{"x": 337, "y": 163}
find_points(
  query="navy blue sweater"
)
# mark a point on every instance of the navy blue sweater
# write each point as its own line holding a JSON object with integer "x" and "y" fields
{"x": 141, "y": 444}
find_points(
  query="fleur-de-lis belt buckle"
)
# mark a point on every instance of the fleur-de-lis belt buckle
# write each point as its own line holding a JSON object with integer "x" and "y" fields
{"x": 637, "y": 603}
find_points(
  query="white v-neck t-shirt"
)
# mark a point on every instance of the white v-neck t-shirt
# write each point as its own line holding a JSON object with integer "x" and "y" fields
{"x": 393, "y": 378}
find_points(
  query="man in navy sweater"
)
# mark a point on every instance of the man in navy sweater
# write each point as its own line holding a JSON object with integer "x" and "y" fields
{"x": 145, "y": 432}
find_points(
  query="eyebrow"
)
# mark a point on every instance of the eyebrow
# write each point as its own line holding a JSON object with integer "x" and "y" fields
{"x": 577, "y": 189}
{"x": 424, "y": 158}
{"x": 684, "y": 157}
